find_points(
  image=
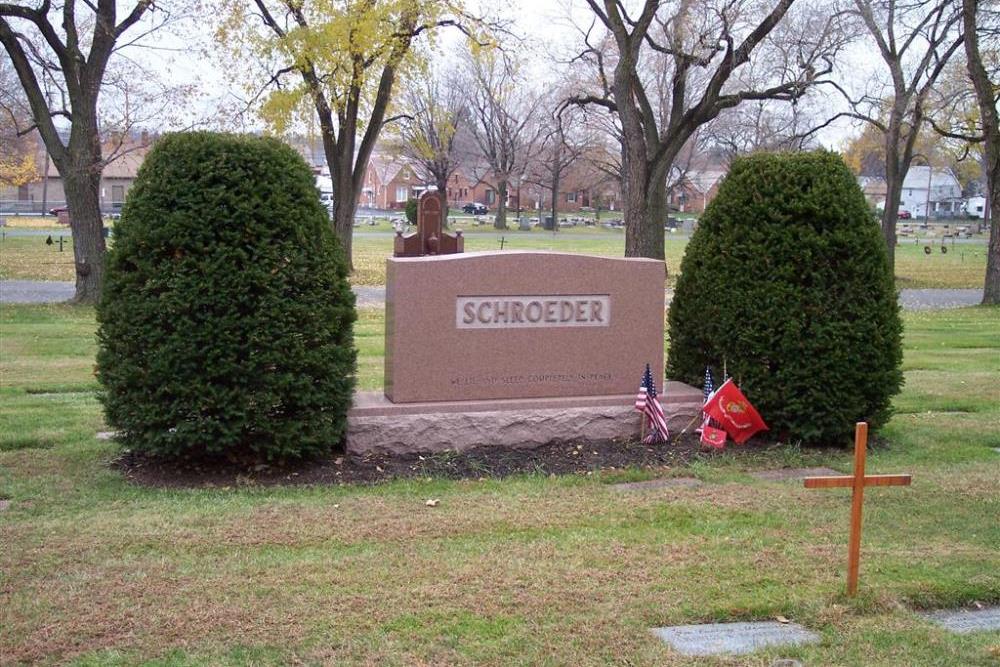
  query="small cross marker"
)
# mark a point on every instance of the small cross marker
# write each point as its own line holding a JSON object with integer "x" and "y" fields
{"x": 858, "y": 481}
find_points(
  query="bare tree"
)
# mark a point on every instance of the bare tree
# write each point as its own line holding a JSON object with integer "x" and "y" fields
{"x": 504, "y": 120}
{"x": 62, "y": 59}
{"x": 671, "y": 67}
{"x": 562, "y": 141}
{"x": 435, "y": 112}
{"x": 915, "y": 40}
{"x": 982, "y": 27}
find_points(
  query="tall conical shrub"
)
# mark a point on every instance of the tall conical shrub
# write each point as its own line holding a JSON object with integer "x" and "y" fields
{"x": 787, "y": 282}
{"x": 225, "y": 327}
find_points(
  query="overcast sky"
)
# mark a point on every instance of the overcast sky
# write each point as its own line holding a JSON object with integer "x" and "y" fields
{"x": 185, "y": 57}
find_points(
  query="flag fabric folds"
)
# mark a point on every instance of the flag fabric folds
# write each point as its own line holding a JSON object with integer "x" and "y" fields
{"x": 713, "y": 437}
{"x": 647, "y": 403}
{"x": 734, "y": 413}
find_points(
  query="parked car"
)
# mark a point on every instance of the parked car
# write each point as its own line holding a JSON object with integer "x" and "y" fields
{"x": 904, "y": 214}
{"x": 475, "y": 208}
{"x": 61, "y": 213}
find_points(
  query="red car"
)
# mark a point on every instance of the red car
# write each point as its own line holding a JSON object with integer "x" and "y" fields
{"x": 904, "y": 214}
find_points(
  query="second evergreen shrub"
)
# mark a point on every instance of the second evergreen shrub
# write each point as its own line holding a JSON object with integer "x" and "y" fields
{"x": 787, "y": 282}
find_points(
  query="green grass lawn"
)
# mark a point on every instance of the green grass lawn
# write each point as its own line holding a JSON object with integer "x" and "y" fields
{"x": 531, "y": 570}
{"x": 28, "y": 258}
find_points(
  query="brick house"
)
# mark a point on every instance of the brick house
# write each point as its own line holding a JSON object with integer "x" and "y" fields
{"x": 695, "y": 189}
{"x": 46, "y": 191}
{"x": 390, "y": 181}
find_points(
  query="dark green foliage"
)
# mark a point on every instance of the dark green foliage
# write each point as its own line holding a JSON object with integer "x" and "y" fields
{"x": 225, "y": 326}
{"x": 787, "y": 280}
{"x": 411, "y": 211}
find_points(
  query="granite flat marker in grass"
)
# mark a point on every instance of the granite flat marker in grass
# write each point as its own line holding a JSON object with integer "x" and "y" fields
{"x": 734, "y": 638}
{"x": 781, "y": 474}
{"x": 964, "y": 621}
{"x": 675, "y": 482}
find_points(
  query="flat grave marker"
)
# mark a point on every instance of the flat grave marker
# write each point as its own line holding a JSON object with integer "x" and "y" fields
{"x": 648, "y": 485}
{"x": 733, "y": 638}
{"x": 964, "y": 621}
{"x": 782, "y": 474}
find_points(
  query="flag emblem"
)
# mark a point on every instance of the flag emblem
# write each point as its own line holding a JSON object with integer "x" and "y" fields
{"x": 731, "y": 409}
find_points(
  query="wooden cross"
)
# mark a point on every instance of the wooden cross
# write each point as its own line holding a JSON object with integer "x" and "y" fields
{"x": 858, "y": 481}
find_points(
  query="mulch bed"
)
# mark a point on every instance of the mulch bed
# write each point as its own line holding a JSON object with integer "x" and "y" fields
{"x": 476, "y": 463}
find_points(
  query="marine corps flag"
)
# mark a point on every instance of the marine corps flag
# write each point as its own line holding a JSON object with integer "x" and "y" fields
{"x": 731, "y": 410}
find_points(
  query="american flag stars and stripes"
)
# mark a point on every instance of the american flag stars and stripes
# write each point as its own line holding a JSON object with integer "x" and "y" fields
{"x": 647, "y": 403}
{"x": 707, "y": 389}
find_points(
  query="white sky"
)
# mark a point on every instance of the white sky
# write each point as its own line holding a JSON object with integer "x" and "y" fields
{"x": 185, "y": 56}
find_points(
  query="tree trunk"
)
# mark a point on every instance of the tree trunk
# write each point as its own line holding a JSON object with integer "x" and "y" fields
{"x": 645, "y": 213}
{"x": 986, "y": 100}
{"x": 991, "y": 287}
{"x": 501, "y": 219}
{"x": 894, "y": 176}
{"x": 82, "y": 183}
{"x": 555, "y": 200}
{"x": 344, "y": 205}
{"x": 442, "y": 186}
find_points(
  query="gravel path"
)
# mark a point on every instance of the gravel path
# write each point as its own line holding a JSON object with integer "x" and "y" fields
{"x": 38, "y": 291}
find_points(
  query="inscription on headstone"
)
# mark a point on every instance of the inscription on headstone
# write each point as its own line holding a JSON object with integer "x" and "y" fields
{"x": 513, "y": 325}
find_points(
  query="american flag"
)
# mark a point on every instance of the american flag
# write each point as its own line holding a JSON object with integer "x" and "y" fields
{"x": 647, "y": 403}
{"x": 707, "y": 390}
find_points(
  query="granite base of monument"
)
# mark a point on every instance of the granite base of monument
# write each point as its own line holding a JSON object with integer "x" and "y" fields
{"x": 375, "y": 424}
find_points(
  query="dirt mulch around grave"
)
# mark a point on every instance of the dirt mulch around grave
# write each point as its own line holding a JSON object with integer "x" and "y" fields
{"x": 480, "y": 462}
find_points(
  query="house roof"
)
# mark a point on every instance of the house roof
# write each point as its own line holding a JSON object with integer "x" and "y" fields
{"x": 916, "y": 178}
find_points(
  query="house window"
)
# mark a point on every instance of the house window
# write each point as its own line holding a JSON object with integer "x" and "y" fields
{"x": 490, "y": 197}
{"x": 402, "y": 193}
{"x": 117, "y": 194}
{"x": 571, "y": 196}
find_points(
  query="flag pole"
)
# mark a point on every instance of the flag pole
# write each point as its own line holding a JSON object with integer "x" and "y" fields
{"x": 642, "y": 425}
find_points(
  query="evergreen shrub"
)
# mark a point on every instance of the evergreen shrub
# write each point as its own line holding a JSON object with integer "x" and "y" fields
{"x": 225, "y": 324}
{"x": 786, "y": 282}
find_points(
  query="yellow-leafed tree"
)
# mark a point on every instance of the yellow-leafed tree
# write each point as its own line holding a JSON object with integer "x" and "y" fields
{"x": 339, "y": 60}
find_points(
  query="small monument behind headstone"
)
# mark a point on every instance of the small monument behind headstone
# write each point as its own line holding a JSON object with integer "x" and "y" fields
{"x": 429, "y": 239}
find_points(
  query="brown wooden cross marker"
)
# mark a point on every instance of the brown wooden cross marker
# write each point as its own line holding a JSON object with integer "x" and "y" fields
{"x": 858, "y": 481}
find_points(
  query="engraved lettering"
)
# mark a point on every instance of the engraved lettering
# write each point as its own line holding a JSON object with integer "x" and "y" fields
{"x": 595, "y": 311}
{"x": 565, "y": 311}
{"x": 537, "y": 306}
{"x": 550, "y": 311}
{"x": 479, "y": 313}
{"x": 516, "y": 312}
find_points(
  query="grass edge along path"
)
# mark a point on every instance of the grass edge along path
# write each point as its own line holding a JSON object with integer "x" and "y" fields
{"x": 529, "y": 570}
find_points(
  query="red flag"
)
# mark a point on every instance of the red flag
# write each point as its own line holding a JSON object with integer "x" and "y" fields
{"x": 713, "y": 437}
{"x": 731, "y": 409}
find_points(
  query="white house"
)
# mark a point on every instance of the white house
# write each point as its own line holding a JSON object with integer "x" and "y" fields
{"x": 945, "y": 196}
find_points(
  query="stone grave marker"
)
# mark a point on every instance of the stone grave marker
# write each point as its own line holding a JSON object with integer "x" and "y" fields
{"x": 782, "y": 474}
{"x": 672, "y": 483}
{"x": 517, "y": 349}
{"x": 733, "y": 638}
{"x": 964, "y": 621}
{"x": 429, "y": 239}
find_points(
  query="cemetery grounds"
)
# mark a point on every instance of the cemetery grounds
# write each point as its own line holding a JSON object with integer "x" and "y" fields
{"x": 532, "y": 569}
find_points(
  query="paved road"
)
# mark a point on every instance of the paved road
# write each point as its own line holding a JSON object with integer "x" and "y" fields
{"x": 37, "y": 291}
